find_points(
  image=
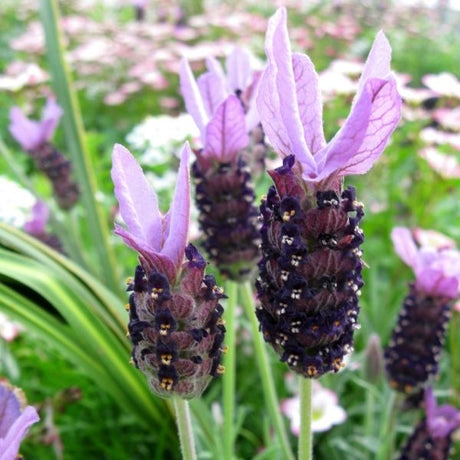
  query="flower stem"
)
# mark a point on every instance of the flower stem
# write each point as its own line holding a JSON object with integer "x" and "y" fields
{"x": 184, "y": 427}
{"x": 268, "y": 385}
{"x": 305, "y": 436}
{"x": 230, "y": 371}
{"x": 387, "y": 431}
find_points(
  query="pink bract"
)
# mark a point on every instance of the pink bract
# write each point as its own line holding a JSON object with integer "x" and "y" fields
{"x": 290, "y": 108}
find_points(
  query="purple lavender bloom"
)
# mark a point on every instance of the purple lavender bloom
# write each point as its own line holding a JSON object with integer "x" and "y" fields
{"x": 31, "y": 134}
{"x": 34, "y": 137}
{"x": 175, "y": 320}
{"x": 14, "y": 421}
{"x": 224, "y": 189}
{"x": 432, "y": 437}
{"x": 411, "y": 358}
{"x": 290, "y": 108}
{"x": 203, "y": 96}
{"x": 310, "y": 272}
{"x": 36, "y": 226}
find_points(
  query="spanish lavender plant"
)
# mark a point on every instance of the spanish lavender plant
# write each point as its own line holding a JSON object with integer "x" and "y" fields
{"x": 224, "y": 189}
{"x": 411, "y": 358}
{"x": 432, "y": 437}
{"x": 175, "y": 320}
{"x": 15, "y": 420}
{"x": 34, "y": 137}
{"x": 310, "y": 272}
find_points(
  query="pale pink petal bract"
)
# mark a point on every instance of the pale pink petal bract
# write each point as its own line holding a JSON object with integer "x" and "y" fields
{"x": 137, "y": 200}
{"x": 226, "y": 133}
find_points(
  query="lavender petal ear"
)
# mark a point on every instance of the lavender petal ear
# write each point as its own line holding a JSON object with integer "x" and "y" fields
{"x": 179, "y": 212}
{"x": 213, "y": 90}
{"x": 404, "y": 245}
{"x": 25, "y": 131}
{"x": 226, "y": 132}
{"x": 309, "y": 101}
{"x": 279, "y": 80}
{"x": 137, "y": 200}
{"x": 238, "y": 69}
{"x": 378, "y": 61}
{"x": 192, "y": 97}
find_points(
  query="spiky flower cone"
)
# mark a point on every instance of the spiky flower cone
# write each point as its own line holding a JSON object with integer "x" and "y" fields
{"x": 177, "y": 330}
{"x": 411, "y": 358}
{"x": 417, "y": 341}
{"x": 58, "y": 170}
{"x": 310, "y": 273}
{"x": 228, "y": 217}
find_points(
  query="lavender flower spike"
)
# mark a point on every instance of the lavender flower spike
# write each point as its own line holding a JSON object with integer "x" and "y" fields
{"x": 14, "y": 421}
{"x": 175, "y": 322}
{"x": 310, "y": 272}
{"x": 290, "y": 109}
{"x": 432, "y": 437}
{"x": 34, "y": 137}
{"x": 32, "y": 134}
{"x": 412, "y": 356}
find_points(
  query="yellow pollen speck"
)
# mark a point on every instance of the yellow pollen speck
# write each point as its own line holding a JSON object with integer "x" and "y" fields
{"x": 287, "y": 215}
{"x": 224, "y": 349}
{"x": 166, "y": 383}
{"x": 164, "y": 329}
{"x": 312, "y": 371}
{"x": 408, "y": 388}
{"x": 337, "y": 323}
{"x": 166, "y": 359}
{"x": 127, "y": 307}
{"x": 220, "y": 369}
{"x": 129, "y": 280}
{"x": 220, "y": 322}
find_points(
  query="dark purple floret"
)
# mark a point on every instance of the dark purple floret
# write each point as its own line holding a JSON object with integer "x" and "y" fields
{"x": 422, "y": 445}
{"x": 177, "y": 331}
{"x": 228, "y": 217}
{"x": 412, "y": 356}
{"x": 310, "y": 273}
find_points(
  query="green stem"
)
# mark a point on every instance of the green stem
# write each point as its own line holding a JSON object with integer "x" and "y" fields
{"x": 75, "y": 138}
{"x": 228, "y": 382}
{"x": 387, "y": 431}
{"x": 305, "y": 435}
{"x": 268, "y": 385}
{"x": 184, "y": 426}
{"x": 369, "y": 421}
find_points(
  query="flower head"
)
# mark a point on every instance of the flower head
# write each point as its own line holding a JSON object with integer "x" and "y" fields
{"x": 14, "y": 421}
{"x": 437, "y": 271}
{"x": 33, "y": 134}
{"x": 175, "y": 322}
{"x": 441, "y": 420}
{"x": 159, "y": 239}
{"x": 432, "y": 437}
{"x": 290, "y": 109}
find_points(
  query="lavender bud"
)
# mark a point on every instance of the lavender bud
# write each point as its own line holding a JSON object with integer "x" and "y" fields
{"x": 373, "y": 359}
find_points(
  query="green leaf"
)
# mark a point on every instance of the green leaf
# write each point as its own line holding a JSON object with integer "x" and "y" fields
{"x": 75, "y": 137}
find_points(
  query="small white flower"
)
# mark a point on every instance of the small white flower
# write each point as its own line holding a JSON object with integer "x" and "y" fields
{"x": 8, "y": 329}
{"x": 15, "y": 209}
{"x": 325, "y": 410}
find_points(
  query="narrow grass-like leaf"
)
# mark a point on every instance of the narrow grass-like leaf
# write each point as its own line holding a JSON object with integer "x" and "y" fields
{"x": 74, "y": 134}
{"x": 92, "y": 334}
{"x": 25, "y": 244}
